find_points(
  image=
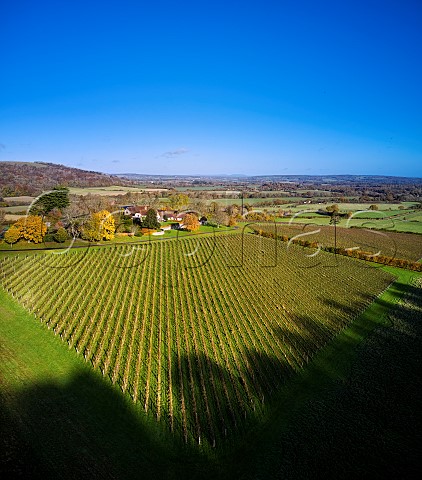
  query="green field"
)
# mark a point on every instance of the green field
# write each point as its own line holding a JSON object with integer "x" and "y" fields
{"x": 410, "y": 222}
{"x": 15, "y": 209}
{"x": 112, "y": 190}
{"x": 200, "y": 333}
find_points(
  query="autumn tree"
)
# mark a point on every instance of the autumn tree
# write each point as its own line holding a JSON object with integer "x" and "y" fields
{"x": 233, "y": 210}
{"x": 31, "y": 228}
{"x": 99, "y": 227}
{"x": 332, "y": 208}
{"x": 178, "y": 200}
{"x": 213, "y": 208}
{"x": 2, "y": 215}
{"x": 232, "y": 221}
{"x": 34, "y": 228}
{"x": 12, "y": 235}
{"x": 218, "y": 218}
{"x": 191, "y": 222}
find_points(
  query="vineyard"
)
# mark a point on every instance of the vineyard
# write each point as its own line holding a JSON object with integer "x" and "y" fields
{"x": 406, "y": 246}
{"x": 200, "y": 333}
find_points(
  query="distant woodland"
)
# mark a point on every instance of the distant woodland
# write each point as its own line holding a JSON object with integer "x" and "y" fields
{"x": 21, "y": 178}
{"x": 25, "y": 178}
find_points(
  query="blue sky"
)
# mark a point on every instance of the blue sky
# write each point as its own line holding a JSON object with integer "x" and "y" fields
{"x": 258, "y": 87}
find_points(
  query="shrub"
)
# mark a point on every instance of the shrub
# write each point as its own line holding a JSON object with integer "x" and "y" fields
{"x": 61, "y": 235}
{"x": 49, "y": 237}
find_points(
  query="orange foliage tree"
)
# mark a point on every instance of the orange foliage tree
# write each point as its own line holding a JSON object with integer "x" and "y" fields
{"x": 191, "y": 222}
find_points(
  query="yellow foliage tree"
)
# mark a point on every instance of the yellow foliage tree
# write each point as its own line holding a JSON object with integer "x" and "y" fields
{"x": 12, "y": 235}
{"x": 178, "y": 200}
{"x": 30, "y": 228}
{"x": 99, "y": 227}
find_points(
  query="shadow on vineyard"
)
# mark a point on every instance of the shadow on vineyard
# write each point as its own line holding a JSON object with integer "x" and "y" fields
{"x": 338, "y": 306}
{"x": 400, "y": 289}
{"x": 219, "y": 406}
{"x": 218, "y": 415}
{"x": 317, "y": 426}
{"x": 369, "y": 425}
{"x": 83, "y": 429}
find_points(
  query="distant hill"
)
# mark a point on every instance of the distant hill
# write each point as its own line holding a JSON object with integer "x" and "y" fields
{"x": 299, "y": 179}
{"x": 26, "y": 178}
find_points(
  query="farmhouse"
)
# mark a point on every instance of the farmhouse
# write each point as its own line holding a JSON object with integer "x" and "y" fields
{"x": 140, "y": 211}
{"x": 137, "y": 211}
{"x": 166, "y": 215}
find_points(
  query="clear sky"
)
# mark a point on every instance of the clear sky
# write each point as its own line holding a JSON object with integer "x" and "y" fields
{"x": 179, "y": 87}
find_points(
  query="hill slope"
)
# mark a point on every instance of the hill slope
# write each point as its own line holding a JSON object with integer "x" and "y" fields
{"x": 25, "y": 178}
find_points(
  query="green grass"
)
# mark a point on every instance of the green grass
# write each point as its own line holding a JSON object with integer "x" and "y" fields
{"x": 404, "y": 223}
{"x": 25, "y": 245}
{"x": 79, "y": 243}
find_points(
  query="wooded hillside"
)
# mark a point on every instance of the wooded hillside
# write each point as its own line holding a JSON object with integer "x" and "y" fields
{"x": 25, "y": 178}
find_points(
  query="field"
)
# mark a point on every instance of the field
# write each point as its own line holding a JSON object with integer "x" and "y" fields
{"x": 410, "y": 222}
{"x": 199, "y": 333}
{"x": 406, "y": 246}
{"x": 22, "y": 200}
{"x": 112, "y": 190}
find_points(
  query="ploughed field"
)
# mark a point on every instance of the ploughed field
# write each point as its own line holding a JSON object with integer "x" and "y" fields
{"x": 407, "y": 246}
{"x": 200, "y": 332}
